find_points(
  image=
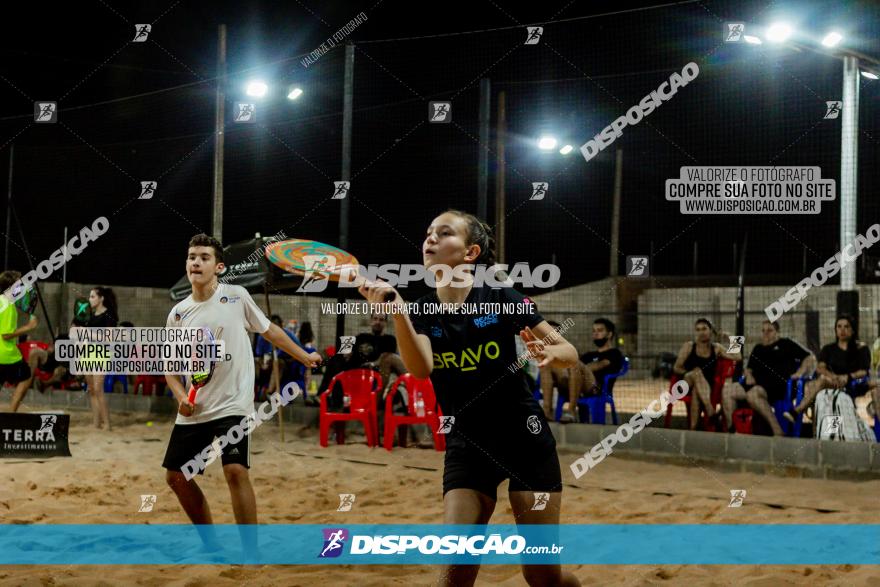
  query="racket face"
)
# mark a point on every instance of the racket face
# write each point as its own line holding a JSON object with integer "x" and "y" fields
{"x": 28, "y": 302}
{"x": 299, "y": 256}
{"x": 200, "y": 379}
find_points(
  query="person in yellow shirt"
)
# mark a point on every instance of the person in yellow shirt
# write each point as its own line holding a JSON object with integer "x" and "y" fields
{"x": 13, "y": 369}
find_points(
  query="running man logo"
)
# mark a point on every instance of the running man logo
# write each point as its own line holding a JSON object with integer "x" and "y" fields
{"x": 148, "y": 189}
{"x": 833, "y": 108}
{"x": 334, "y": 541}
{"x": 440, "y": 112}
{"x": 47, "y": 423}
{"x": 346, "y": 345}
{"x": 346, "y": 500}
{"x": 830, "y": 425}
{"x": 533, "y": 34}
{"x": 735, "y": 32}
{"x": 541, "y": 501}
{"x": 45, "y": 112}
{"x": 318, "y": 269}
{"x": 147, "y": 503}
{"x": 245, "y": 112}
{"x": 340, "y": 189}
{"x": 446, "y": 423}
{"x": 736, "y": 344}
{"x": 736, "y": 498}
{"x": 533, "y": 423}
{"x": 141, "y": 31}
{"x": 637, "y": 266}
{"x": 539, "y": 190}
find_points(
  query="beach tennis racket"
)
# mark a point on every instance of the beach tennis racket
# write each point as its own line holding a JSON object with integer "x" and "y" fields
{"x": 200, "y": 379}
{"x": 28, "y": 302}
{"x": 315, "y": 260}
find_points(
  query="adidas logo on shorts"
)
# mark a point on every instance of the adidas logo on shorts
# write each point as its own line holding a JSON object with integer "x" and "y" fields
{"x": 234, "y": 451}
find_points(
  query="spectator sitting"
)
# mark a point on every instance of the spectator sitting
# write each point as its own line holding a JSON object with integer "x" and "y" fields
{"x": 840, "y": 362}
{"x": 587, "y": 376}
{"x": 696, "y": 363}
{"x": 265, "y": 351}
{"x": 59, "y": 371}
{"x": 772, "y": 363}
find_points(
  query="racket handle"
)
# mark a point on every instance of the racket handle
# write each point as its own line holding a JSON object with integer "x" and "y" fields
{"x": 192, "y": 395}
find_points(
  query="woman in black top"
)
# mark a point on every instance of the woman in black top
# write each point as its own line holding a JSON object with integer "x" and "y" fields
{"x": 104, "y": 314}
{"x": 499, "y": 431}
{"x": 697, "y": 362}
{"x": 840, "y": 362}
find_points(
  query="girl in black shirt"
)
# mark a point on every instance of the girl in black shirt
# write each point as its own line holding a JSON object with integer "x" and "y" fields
{"x": 499, "y": 431}
{"x": 104, "y": 314}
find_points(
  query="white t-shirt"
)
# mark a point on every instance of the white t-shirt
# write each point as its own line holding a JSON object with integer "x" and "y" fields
{"x": 231, "y": 389}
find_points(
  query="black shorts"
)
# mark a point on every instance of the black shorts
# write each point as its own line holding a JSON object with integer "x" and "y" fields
{"x": 15, "y": 373}
{"x": 858, "y": 391}
{"x": 189, "y": 440}
{"x": 471, "y": 468}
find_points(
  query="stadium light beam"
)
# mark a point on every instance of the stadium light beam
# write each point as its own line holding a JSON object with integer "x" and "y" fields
{"x": 566, "y": 150}
{"x": 869, "y": 74}
{"x": 832, "y": 39}
{"x": 778, "y": 32}
{"x": 257, "y": 89}
{"x": 546, "y": 143}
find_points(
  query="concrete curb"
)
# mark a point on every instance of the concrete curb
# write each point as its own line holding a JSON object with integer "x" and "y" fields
{"x": 801, "y": 457}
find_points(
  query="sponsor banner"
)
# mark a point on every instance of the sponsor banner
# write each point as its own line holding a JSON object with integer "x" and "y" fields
{"x": 418, "y": 544}
{"x": 33, "y": 436}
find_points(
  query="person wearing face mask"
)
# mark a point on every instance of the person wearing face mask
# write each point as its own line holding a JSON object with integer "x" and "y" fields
{"x": 587, "y": 377}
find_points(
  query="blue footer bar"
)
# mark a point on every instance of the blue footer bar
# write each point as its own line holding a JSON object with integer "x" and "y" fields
{"x": 417, "y": 544}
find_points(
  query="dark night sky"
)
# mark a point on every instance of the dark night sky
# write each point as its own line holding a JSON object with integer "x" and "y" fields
{"x": 145, "y": 111}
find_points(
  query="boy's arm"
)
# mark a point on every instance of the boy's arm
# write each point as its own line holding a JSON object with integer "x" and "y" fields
{"x": 31, "y": 325}
{"x": 279, "y": 338}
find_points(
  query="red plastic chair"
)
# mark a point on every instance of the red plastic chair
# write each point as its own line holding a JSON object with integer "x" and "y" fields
{"x": 152, "y": 384}
{"x": 360, "y": 386}
{"x": 742, "y": 420}
{"x": 724, "y": 369}
{"x": 414, "y": 388}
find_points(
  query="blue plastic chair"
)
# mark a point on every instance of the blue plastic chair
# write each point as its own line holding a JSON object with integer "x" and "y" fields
{"x": 111, "y": 378}
{"x": 594, "y": 405}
